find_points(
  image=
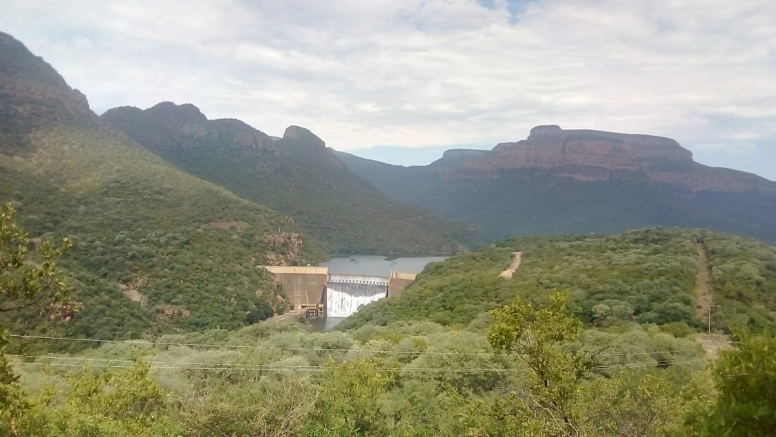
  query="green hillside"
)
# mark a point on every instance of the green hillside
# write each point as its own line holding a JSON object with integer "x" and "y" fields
{"x": 643, "y": 276}
{"x": 295, "y": 175}
{"x": 156, "y": 249}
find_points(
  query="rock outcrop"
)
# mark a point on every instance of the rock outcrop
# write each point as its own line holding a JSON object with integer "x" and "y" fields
{"x": 33, "y": 94}
{"x": 304, "y": 135}
{"x": 288, "y": 247}
{"x": 590, "y": 155}
{"x": 188, "y": 124}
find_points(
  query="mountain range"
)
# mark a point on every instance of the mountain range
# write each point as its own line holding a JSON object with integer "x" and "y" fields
{"x": 578, "y": 181}
{"x": 172, "y": 213}
{"x": 168, "y": 242}
{"x": 296, "y": 175}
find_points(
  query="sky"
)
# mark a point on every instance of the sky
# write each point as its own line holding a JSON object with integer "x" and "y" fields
{"x": 418, "y": 76}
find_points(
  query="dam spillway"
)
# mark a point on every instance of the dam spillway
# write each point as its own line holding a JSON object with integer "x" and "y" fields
{"x": 335, "y": 295}
{"x": 345, "y": 294}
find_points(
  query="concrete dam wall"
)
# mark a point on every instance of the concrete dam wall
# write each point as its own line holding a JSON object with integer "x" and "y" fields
{"x": 303, "y": 286}
{"x": 335, "y": 295}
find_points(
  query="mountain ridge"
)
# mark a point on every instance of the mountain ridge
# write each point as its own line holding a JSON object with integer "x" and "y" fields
{"x": 582, "y": 154}
{"x": 155, "y": 249}
{"x": 297, "y": 175}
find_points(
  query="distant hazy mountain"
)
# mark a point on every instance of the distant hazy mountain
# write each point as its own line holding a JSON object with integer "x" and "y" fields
{"x": 156, "y": 249}
{"x": 572, "y": 181}
{"x": 296, "y": 175}
{"x": 406, "y": 156}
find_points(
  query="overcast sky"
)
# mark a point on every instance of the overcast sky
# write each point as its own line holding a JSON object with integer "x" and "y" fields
{"x": 361, "y": 73}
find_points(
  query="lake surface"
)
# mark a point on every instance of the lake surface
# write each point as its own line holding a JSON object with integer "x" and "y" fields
{"x": 369, "y": 265}
{"x": 376, "y": 265}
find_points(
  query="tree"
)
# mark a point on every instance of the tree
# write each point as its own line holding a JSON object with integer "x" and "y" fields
{"x": 746, "y": 402}
{"x": 535, "y": 336}
{"x": 123, "y": 403}
{"x": 26, "y": 282}
{"x": 551, "y": 405}
{"x": 347, "y": 402}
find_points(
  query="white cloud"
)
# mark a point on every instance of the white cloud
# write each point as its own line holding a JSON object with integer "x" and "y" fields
{"x": 413, "y": 72}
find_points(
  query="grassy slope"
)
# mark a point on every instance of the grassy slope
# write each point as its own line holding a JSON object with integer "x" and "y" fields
{"x": 137, "y": 222}
{"x": 299, "y": 178}
{"x": 646, "y": 276}
{"x": 140, "y": 223}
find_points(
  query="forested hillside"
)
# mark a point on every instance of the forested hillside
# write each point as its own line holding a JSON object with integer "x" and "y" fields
{"x": 296, "y": 175}
{"x": 155, "y": 249}
{"x": 644, "y": 276}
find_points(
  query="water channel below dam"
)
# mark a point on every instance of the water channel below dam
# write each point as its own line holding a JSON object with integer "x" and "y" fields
{"x": 345, "y": 295}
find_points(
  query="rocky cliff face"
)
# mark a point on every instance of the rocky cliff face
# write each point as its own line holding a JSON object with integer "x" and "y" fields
{"x": 288, "y": 249}
{"x": 589, "y": 155}
{"x": 177, "y": 125}
{"x": 303, "y": 135}
{"x": 33, "y": 94}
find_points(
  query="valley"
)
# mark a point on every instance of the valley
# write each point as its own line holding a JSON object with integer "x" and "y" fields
{"x": 166, "y": 274}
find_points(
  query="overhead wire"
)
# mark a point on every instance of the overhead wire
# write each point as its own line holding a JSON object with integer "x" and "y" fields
{"x": 109, "y": 363}
{"x": 312, "y": 349}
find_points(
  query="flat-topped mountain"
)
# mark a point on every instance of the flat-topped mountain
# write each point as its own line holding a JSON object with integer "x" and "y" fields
{"x": 552, "y": 147}
{"x": 559, "y": 181}
{"x": 296, "y": 175}
{"x": 590, "y": 155}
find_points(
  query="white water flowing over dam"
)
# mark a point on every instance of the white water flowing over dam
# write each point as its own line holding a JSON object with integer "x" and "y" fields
{"x": 346, "y": 293}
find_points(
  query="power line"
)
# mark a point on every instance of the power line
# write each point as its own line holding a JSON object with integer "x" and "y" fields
{"x": 283, "y": 367}
{"x": 313, "y": 349}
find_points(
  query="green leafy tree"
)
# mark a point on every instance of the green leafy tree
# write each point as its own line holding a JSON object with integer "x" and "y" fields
{"x": 746, "y": 402}
{"x": 535, "y": 337}
{"x": 272, "y": 406}
{"x": 26, "y": 282}
{"x": 347, "y": 402}
{"x": 29, "y": 281}
{"x": 125, "y": 403}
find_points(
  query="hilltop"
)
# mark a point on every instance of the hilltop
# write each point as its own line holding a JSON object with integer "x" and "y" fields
{"x": 156, "y": 249}
{"x": 572, "y": 181}
{"x": 643, "y": 276}
{"x": 296, "y": 175}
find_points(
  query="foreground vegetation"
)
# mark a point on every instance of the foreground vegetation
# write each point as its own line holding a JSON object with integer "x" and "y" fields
{"x": 552, "y": 378}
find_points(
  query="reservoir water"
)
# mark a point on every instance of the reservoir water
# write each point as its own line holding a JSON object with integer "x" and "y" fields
{"x": 370, "y": 265}
{"x": 375, "y": 265}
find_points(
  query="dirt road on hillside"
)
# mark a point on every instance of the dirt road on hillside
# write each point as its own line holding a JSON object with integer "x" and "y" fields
{"x": 703, "y": 284}
{"x": 514, "y": 266}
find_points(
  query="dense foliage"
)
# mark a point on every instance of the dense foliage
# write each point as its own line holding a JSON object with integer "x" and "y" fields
{"x": 744, "y": 275}
{"x": 185, "y": 250}
{"x": 536, "y": 373}
{"x": 25, "y": 286}
{"x": 405, "y": 379}
{"x": 297, "y": 176}
{"x": 644, "y": 276}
